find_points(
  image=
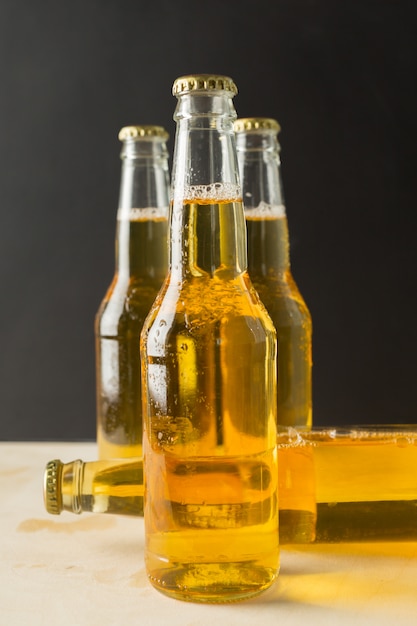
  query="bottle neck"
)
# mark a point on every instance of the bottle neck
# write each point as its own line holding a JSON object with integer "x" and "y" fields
{"x": 259, "y": 165}
{"x": 208, "y": 235}
{"x": 142, "y": 216}
{"x": 71, "y": 486}
{"x": 113, "y": 486}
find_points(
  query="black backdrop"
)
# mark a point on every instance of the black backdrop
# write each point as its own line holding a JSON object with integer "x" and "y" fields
{"x": 341, "y": 79}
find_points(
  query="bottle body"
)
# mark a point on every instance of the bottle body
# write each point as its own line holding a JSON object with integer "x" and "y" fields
{"x": 269, "y": 266}
{"x": 210, "y": 461}
{"x": 335, "y": 485}
{"x": 208, "y": 361}
{"x": 141, "y": 266}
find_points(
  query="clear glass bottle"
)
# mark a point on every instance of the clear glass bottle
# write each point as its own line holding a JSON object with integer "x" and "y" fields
{"x": 335, "y": 485}
{"x": 141, "y": 266}
{"x": 269, "y": 265}
{"x": 209, "y": 377}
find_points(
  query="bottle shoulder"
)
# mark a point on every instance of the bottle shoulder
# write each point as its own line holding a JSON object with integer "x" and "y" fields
{"x": 198, "y": 302}
{"x": 125, "y": 305}
{"x": 282, "y": 298}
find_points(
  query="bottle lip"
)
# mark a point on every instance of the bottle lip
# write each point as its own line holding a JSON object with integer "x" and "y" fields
{"x": 203, "y": 82}
{"x": 246, "y": 124}
{"x": 52, "y": 487}
{"x": 143, "y": 131}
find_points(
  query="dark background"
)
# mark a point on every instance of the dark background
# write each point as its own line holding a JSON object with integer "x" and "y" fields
{"x": 341, "y": 79}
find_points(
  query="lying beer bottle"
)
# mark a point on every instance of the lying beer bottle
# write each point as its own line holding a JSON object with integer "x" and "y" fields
{"x": 209, "y": 376}
{"x": 141, "y": 266}
{"x": 269, "y": 265}
{"x": 335, "y": 485}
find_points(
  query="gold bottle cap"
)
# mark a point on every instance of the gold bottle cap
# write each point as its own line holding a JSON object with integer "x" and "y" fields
{"x": 245, "y": 124}
{"x": 143, "y": 132}
{"x": 203, "y": 82}
{"x": 52, "y": 487}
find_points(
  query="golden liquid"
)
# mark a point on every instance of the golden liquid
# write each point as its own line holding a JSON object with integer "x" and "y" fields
{"x": 358, "y": 486}
{"x": 106, "y": 487}
{"x": 210, "y": 435}
{"x": 142, "y": 268}
{"x": 269, "y": 270}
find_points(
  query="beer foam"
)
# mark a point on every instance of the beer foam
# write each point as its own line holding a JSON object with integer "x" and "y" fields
{"x": 215, "y": 191}
{"x": 266, "y": 211}
{"x": 142, "y": 215}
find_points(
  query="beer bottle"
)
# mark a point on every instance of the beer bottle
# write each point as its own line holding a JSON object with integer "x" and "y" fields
{"x": 141, "y": 266}
{"x": 269, "y": 265}
{"x": 335, "y": 485}
{"x": 208, "y": 352}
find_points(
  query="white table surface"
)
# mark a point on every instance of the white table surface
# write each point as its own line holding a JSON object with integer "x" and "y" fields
{"x": 88, "y": 570}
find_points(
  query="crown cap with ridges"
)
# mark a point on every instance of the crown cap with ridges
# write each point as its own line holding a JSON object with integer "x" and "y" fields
{"x": 143, "y": 132}
{"x": 245, "y": 124}
{"x": 52, "y": 487}
{"x": 203, "y": 82}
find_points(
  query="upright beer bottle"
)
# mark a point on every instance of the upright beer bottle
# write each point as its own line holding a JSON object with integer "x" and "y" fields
{"x": 209, "y": 377}
{"x": 141, "y": 266}
{"x": 269, "y": 265}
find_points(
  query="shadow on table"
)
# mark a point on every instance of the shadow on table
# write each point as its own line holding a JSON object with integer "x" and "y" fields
{"x": 345, "y": 575}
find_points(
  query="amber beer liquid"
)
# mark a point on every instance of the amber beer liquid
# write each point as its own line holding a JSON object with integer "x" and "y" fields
{"x": 335, "y": 485}
{"x": 269, "y": 266}
{"x": 280, "y": 294}
{"x": 344, "y": 485}
{"x": 208, "y": 361}
{"x": 142, "y": 236}
{"x": 210, "y": 457}
{"x": 141, "y": 266}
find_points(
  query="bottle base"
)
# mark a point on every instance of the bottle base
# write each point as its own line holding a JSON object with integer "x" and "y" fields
{"x": 213, "y": 582}
{"x": 297, "y": 526}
